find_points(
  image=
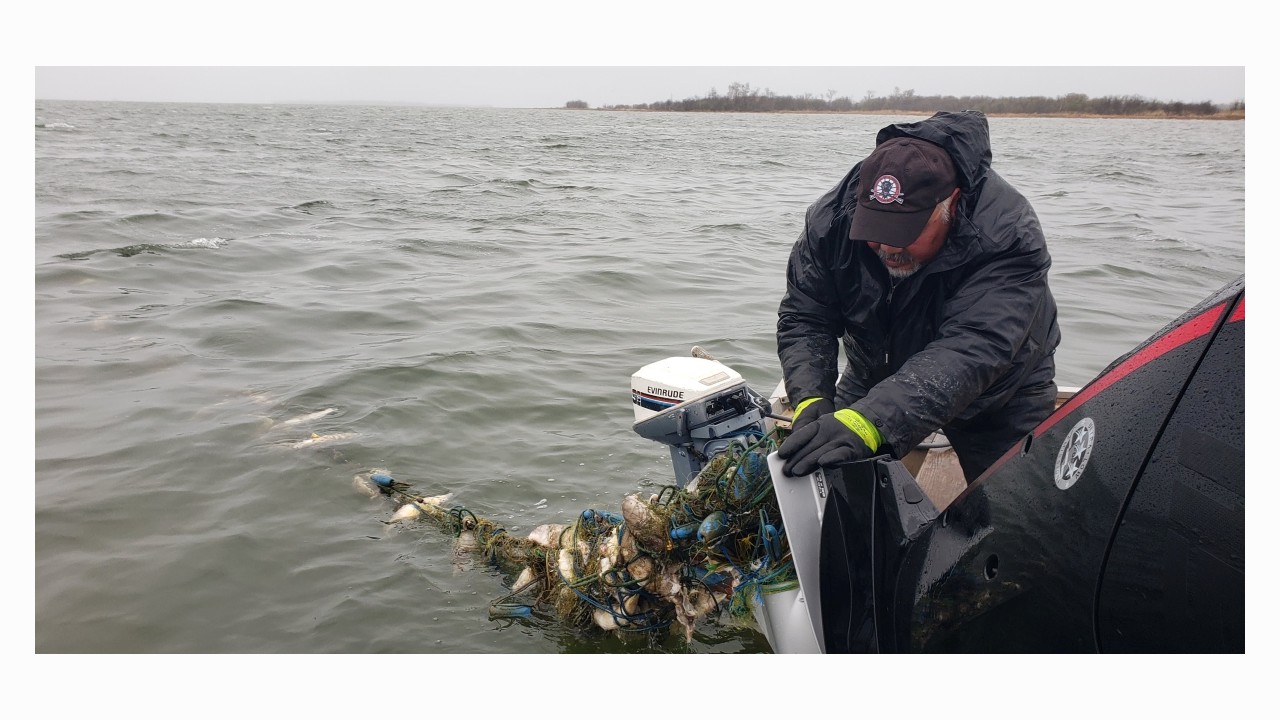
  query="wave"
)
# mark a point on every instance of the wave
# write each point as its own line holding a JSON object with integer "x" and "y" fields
{"x": 1085, "y": 275}
{"x": 71, "y": 216}
{"x": 1133, "y": 177}
{"x": 145, "y": 218}
{"x": 458, "y": 178}
{"x": 535, "y": 184}
{"x": 512, "y": 183}
{"x": 212, "y": 243}
{"x": 154, "y": 248}
{"x": 310, "y": 205}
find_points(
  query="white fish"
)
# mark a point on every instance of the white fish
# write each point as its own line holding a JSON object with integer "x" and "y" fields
{"x": 605, "y": 621}
{"x": 436, "y": 500}
{"x": 609, "y": 621}
{"x": 610, "y": 551}
{"x": 644, "y": 571}
{"x": 365, "y": 485}
{"x": 524, "y": 581}
{"x": 416, "y": 508}
{"x": 309, "y": 417}
{"x": 565, "y": 561}
{"x": 323, "y": 439}
{"x": 407, "y": 511}
{"x": 547, "y": 536}
{"x": 647, "y": 526}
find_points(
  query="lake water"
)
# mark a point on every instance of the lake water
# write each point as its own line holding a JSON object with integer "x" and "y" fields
{"x": 469, "y": 291}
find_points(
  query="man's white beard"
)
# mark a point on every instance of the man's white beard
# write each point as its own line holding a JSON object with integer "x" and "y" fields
{"x": 898, "y": 273}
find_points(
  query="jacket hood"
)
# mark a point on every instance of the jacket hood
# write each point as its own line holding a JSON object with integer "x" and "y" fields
{"x": 964, "y": 135}
{"x": 966, "y": 138}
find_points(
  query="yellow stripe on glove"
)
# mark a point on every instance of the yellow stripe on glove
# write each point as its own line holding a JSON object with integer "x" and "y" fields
{"x": 804, "y": 404}
{"x": 861, "y": 427}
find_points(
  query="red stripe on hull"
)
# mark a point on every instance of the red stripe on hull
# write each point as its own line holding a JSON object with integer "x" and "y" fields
{"x": 1197, "y": 327}
{"x": 1238, "y": 315}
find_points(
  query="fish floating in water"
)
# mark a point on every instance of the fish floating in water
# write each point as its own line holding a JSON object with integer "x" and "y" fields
{"x": 378, "y": 482}
{"x": 271, "y": 425}
{"x": 365, "y": 485}
{"x": 432, "y": 507}
{"x": 309, "y": 417}
{"x": 316, "y": 439}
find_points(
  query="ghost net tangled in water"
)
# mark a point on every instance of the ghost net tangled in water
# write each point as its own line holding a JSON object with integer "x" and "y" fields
{"x": 679, "y": 556}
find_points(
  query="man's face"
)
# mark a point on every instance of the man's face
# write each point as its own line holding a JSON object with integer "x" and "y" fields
{"x": 902, "y": 262}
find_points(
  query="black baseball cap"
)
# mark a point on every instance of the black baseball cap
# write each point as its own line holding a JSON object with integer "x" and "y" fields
{"x": 899, "y": 185}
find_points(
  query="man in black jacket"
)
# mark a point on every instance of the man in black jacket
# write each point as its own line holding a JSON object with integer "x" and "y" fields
{"x": 935, "y": 273}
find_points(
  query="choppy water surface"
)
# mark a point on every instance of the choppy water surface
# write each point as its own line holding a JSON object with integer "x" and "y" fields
{"x": 469, "y": 292}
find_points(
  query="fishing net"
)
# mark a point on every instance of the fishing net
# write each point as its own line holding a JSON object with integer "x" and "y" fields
{"x": 678, "y": 556}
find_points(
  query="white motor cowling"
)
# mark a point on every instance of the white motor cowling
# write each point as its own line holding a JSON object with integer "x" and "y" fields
{"x": 697, "y": 406}
{"x": 664, "y": 384}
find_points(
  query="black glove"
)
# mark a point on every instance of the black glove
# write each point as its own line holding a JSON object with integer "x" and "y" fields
{"x": 811, "y": 412}
{"x": 825, "y": 442}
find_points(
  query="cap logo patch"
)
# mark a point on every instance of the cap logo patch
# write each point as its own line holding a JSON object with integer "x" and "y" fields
{"x": 886, "y": 189}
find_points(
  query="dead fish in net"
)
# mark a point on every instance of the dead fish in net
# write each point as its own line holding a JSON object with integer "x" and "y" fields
{"x": 415, "y": 508}
{"x": 365, "y": 485}
{"x": 548, "y": 536}
{"x": 645, "y": 522}
{"x": 378, "y": 482}
{"x": 317, "y": 439}
{"x": 672, "y": 559}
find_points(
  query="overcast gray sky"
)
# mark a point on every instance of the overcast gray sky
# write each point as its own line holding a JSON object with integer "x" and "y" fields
{"x": 517, "y": 86}
{"x": 510, "y": 53}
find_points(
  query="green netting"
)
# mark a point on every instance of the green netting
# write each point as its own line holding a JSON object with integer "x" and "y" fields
{"x": 681, "y": 555}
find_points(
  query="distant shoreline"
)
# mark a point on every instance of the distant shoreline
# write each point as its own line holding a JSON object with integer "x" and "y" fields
{"x": 1226, "y": 115}
{"x": 741, "y": 97}
{"x": 1231, "y": 114}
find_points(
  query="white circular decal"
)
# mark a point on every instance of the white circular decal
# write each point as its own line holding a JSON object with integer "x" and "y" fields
{"x": 1074, "y": 454}
{"x": 886, "y": 189}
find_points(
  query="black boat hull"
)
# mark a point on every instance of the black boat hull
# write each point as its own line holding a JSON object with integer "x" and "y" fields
{"x": 1116, "y": 526}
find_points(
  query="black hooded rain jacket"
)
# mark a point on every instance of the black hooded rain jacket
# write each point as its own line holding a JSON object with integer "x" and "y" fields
{"x": 965, "y": 344}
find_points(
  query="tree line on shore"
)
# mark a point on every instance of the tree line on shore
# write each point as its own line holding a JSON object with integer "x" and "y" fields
{"x": 741, "y": 97}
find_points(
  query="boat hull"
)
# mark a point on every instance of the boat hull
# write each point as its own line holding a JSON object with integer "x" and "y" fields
{"x": 1116, "y": 526}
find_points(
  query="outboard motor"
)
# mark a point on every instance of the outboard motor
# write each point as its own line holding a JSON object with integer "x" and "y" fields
{"x": 700, "y": 407}
{"x": 697, "y": 406}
